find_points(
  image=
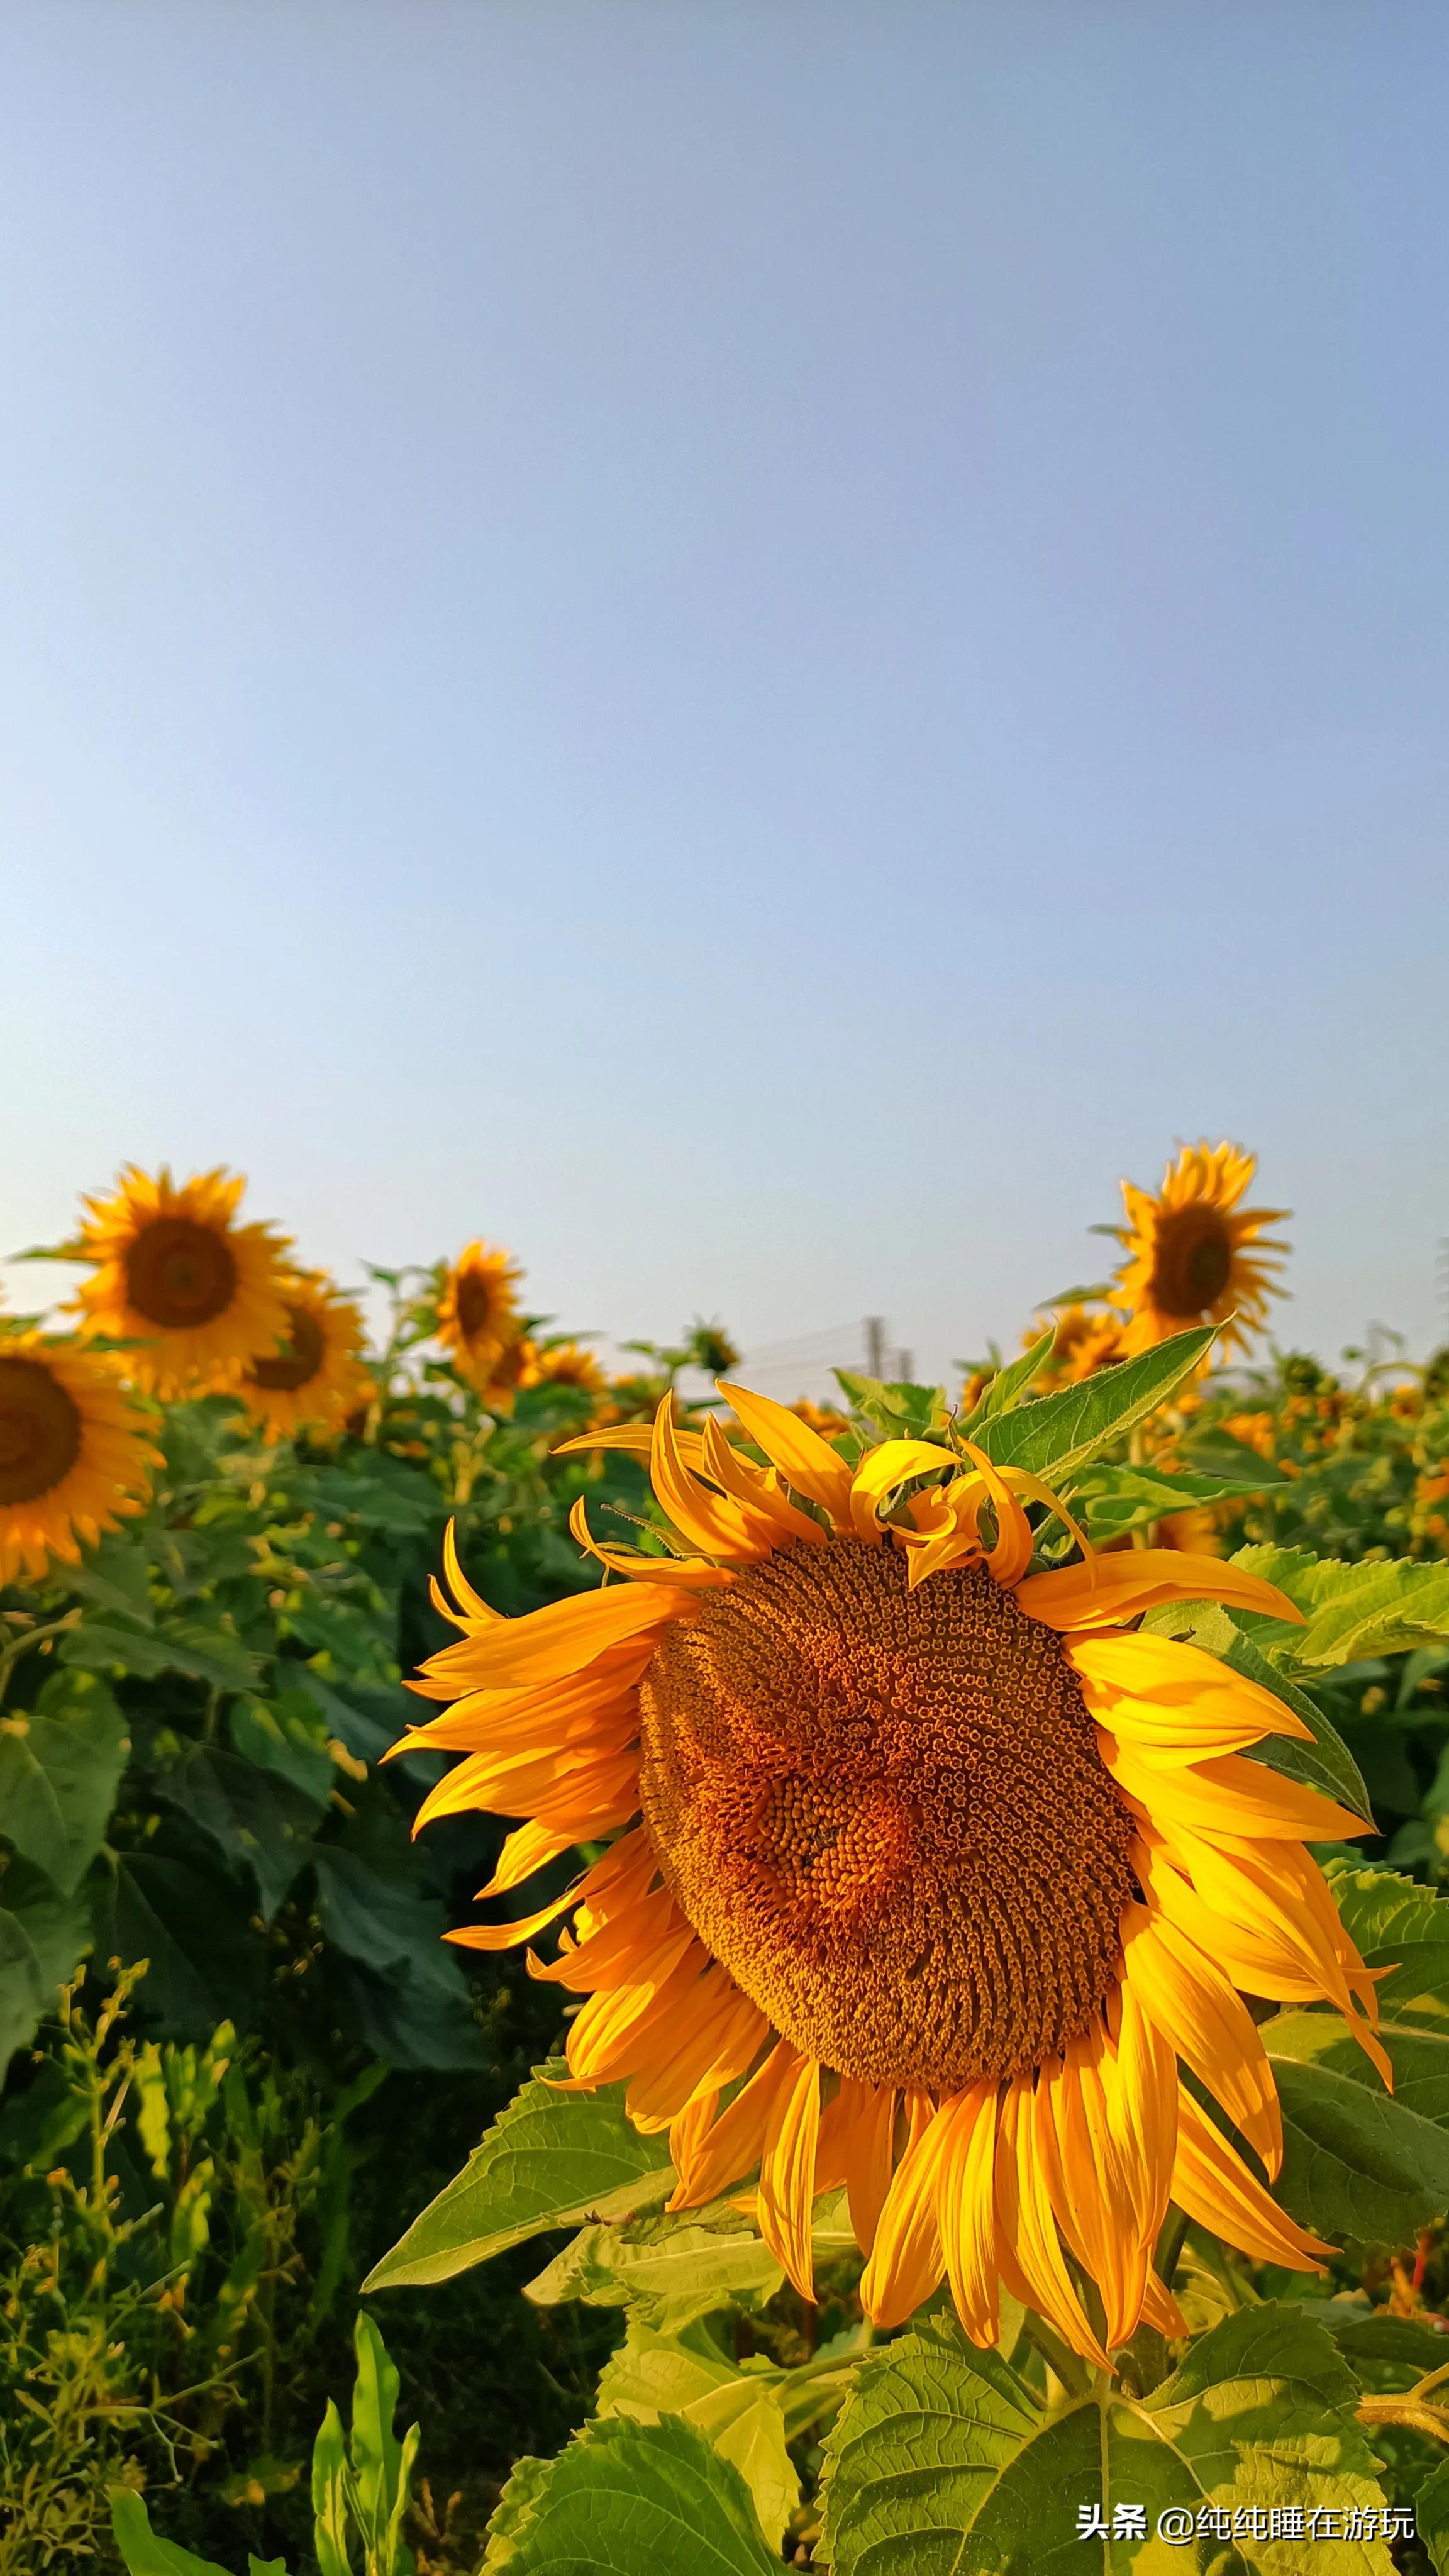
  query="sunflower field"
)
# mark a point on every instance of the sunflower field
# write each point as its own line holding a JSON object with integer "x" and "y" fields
{"x": 600, "y": 1973}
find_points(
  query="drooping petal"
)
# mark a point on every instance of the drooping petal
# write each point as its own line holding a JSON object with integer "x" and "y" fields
{"x": 966, "y": 2211}
{"x": 1212, "y": 2183}
{"x": 907, "y": 2259}
{"x": 1208, "y": 2024}
{"x": 805, "y": 1461}
{"x": 1138, "y": 1580}
{"x": 786, "y": 2202}
{"x": 1026, "y": 2226}
{"x": 736, "y": 2140}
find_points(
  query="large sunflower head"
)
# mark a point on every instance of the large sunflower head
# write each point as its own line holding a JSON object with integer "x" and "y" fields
{"x": 1194, "y": 1256}
{"x": 316, "y": 1375}
{"x": 175, "y": 1273}
{"x": 930, "y": 1876}
{"x": 478, "y": 1317}
{"x": 74, "y": 1452}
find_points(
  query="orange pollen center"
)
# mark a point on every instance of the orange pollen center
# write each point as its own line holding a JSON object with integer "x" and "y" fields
{"x": 886, "y": 1813}
{"x": 180, "y": 1275}
{"x": 1193, "y": 1260}
{"x": 299, "y": 1363}
{"x": 40, "y": 1431}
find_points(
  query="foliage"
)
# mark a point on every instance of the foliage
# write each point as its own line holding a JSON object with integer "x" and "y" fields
{"x": 245, "y": 2070}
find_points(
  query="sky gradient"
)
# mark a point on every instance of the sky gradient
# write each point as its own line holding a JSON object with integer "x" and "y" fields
{"x": 749, "y": 647}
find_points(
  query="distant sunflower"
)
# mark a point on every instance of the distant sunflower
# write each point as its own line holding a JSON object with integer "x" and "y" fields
{"x": 316, "y": 1376}
{"x": 1193, "y": 1255}
{"x": 478, "y": 1314}
{"x": 176, "y": 1274}
{"x": 562, "y": 1364}
{"x": 74, "y": 1451}
{"x": 929, "y": 1871}
{"x": 1087, "y": 1339}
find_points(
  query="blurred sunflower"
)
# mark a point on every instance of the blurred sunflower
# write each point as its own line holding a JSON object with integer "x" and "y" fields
{"x": 316, "y": 1375}
{"x": 175, "y": 1273}
{"x": 478, "y": 1316}
{"x": 929, "y": 1871}
{"x": 74, "y": 1451}
{"x": 1087, "y": 1339}
{"x": 562, "y": 1364}
{"x": 1194, "y": 1256}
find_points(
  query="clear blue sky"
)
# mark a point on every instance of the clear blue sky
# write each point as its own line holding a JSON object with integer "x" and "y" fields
{"x": 750, "y": 646}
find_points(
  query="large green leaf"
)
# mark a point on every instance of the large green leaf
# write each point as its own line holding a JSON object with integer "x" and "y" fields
{"x": 253, "y": 1816}
{"x": 552, "y": 2160}
{"x": 60, "y": 1768}
{"x": 145, "y": 2553}
{"x": 42, "y": 1936}
{"x": 1358, "y": 2161}
{"x": 193, "y": 1926}
{"x": 1112, "y": 1500}
{"x": 1431, "y": 2517}
{"x": 629, "y": 2499}
{"x": 1376, "y": 1607}
{"x": 1060, "y": 1434}
{"x": 944, "y": 2464}
{"x": 739, "y": 2410}
{"x": 1379, "y": 1908}
{"x": 205, "y": 1652}
{"x": 668, "y": 2271}
{"x": 1009, "y": 1385}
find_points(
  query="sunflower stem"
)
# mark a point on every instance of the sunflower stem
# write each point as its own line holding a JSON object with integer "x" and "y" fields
{"x": 1060, "y": 2361}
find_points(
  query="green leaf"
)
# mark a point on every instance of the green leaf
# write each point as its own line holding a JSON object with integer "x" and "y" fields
{"x": 1113, "y": 1500}
{"x": 329, "y": 2495}
{"x": 629, "y": 2499}
{"x": 551, "y": 2160}
{"x": 1059, "y": 1435}
{"x": 1431, "y": 2517}
{"x": 192, "y": 1646}
{"x": 42, "y": 1936}
{"x": 252, "y": 1816}
{"x": 1009, "y": 1385}
{"x": 405, "y": 1508}
{"x": 1325, "y": 1763}
{"x": 900, "y": 1410}
{"x": 194, "y": 1928}
{"x": 144, "y": 2552}
{"x": 1379, "y": 1908}
{"x": 1410, "y": 2344}
{"x": 739, "y": 2411}
{"x": 287, "y": 1735}
{"x": 1376, "y": 1607}
{"x": 59, "y": 1772}
{"x": 668, "y": 2270}
{"x": 380, "y": 2462}
{"x": 943, "y": 2463}
{"x": 1358, "y": 2161}
{"x": 115, "y": 1576}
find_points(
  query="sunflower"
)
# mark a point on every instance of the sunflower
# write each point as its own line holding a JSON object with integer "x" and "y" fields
{"x": 173, "y": 1272}
{"x": 74, "y": 1453}
{"x": 929, "y": 1874}
{"x": 1193, "y": 1255}
{"x": 317, "y": 1375}
{"x": 561, "y": 1364}
{"x": 1087, "y": 1339}
{"x": 478, "y": 1316}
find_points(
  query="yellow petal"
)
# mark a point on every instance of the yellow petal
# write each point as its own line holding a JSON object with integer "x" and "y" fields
{"x": 805, "y": 1461}
{"x": 1206, "y": 2021}
{"x": 786, "y": 2202}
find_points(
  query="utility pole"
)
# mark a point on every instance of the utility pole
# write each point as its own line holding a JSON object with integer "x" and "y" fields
{"x": 875, "y": 1331}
